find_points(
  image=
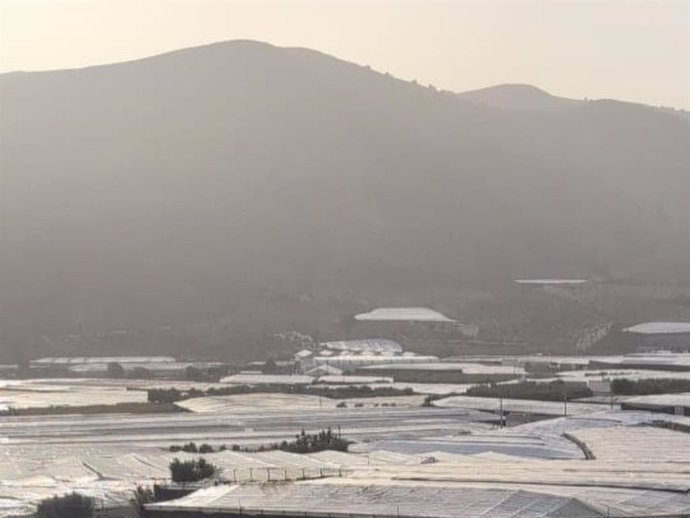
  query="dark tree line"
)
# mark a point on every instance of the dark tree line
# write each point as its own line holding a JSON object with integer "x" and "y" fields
{"x": 552, "y": 391}
{"x": 626, "y": 387}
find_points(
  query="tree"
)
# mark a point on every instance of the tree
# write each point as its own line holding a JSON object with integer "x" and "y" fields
{"x": 193, "y": 373}
{"x": 310, "y": 443}
{"x": 72, "y": 505}
{"x": 164, "y": 395}
{"x": 270, "y": 367}
{"x": 142, "y": 495}
{"x": 141, "y": 373}
{"x": 115, "y": 370}
{"x": 191, "y": 470}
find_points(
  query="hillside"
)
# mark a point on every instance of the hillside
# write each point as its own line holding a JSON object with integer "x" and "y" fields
{"x": 519, "y": 97}
{"x": 262, "y": 188}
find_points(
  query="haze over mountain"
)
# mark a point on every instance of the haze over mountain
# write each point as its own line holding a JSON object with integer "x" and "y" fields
{"x": 519, "y": 97}
{"x": 230, "y": 178}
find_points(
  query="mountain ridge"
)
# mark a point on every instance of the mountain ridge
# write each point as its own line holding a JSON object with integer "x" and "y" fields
{"x": 208, "y": 181}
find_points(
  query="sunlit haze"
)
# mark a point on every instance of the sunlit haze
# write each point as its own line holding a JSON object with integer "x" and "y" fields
{"x": 624, "y": 49}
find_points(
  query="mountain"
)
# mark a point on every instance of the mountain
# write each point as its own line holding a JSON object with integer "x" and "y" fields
{"x": 519, "y": 97}
{"x": 266, "y": 189}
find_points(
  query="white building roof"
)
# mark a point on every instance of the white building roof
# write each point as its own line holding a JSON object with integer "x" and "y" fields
{"x": 267, "y": 379}
{"x": 653, "y": 328}
{"x": 404, "y": 314}
{"x": 366, "y": 500}
{"x": 371, "y": 345}
{"x": 528, "y": 406}
{"x": 467, "y": 368}
{"x": 78, "y": 360}
{"x": 682, "y": 399}
{"x": 546, "y": 282}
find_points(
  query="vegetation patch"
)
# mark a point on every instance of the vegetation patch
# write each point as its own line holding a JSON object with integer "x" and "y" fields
{"x": 626, "y": 387}
{"x": 118, "y": 408}
{"x": 72, "y": 505}
{"x": 191, "y": 470}
{"x": 553, "y": 391}
{"x": 303, "y": 443}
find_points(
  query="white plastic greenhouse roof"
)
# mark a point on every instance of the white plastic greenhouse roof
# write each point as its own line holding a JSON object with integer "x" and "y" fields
{"x": 76, "y": 360}
{"x": 267, "y": 379}
{"x": 653, "y": 328}
{"x": 467, "y": 368}
{"x": 681, "y": 399}
{"x": 546, "y": 282}
{"x": 381, "y": 500}
{"x": 404, "y": 314}
{"x": 371, "y": 345}
{"x": 528, "y": 406}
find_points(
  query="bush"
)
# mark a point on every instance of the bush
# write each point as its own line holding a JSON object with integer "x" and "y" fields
{"x": 73, "y": 505}
{"x": 205, "y": 448}
{"x": 190, "y": 447}
{"x": 310, "y": 443}
{"x": 191, "y": 470}
{"x": 141, "y": 373}
{"x": 142, "y": 495}
{"x": 164, "y": 395}
{"x": 193, "y": 374}
{"x": 115, "y": 370}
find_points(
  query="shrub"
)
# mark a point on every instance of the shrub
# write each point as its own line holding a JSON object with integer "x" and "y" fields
{"x": 115, "y": 370}
{"x": 142, "y": 495}
{"x": 72, "y": 505}
{"x": 193, "y": 374}
{"x": 141, "y": 373}
{"x": 190, "y": 447}
{"x": 310, "y": 443}
{"x": 191, "y": 470}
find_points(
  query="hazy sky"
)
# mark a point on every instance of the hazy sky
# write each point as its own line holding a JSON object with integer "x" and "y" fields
{"x": 637, "y": 50}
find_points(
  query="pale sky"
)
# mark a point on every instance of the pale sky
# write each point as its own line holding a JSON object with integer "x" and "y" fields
{"x": 636, "y": 50}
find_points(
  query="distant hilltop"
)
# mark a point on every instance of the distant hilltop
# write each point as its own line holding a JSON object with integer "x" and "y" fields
{"x": 214, "y": 183}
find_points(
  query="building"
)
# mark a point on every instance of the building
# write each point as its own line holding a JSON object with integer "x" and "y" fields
{"x": 661, "y": 336}
{"x": 414, "y": 322}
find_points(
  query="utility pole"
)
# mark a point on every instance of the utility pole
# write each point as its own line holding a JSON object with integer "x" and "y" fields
{"x": 565, "y": 403}
{"x": 500, "y": 400}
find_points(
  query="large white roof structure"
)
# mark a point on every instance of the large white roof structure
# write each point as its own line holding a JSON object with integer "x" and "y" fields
{"x": 527, "y": 406}
{"x": 551, "y": 282}
{"x": 659, "y": 328}
{"x": 355, "y": 500}
{"x": 661, "y": 400}
{"x": 403, "y": 315}
{"x": 467, "y": 368}
{"x": 267, "y": 379}
{"x": 348, "y": 360}
{"x": 646, "y": 445}
{"x": 45, "y": 395}
{"x": 371, "y": 345}
{"x": 77, "y": 360}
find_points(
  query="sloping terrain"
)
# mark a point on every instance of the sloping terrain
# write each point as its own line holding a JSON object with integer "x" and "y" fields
{"x": 264, "y": 189}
